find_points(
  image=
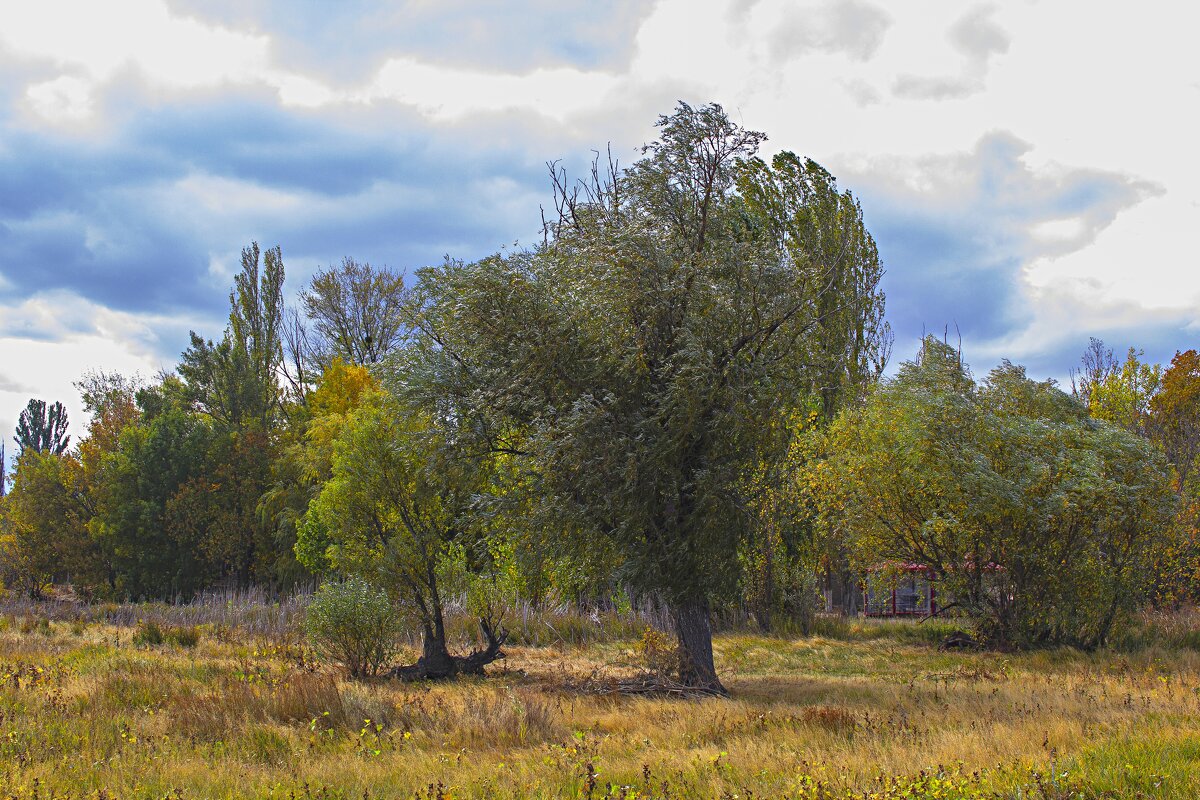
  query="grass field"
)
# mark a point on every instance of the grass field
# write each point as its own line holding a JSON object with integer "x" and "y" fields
{"x": 864, "y": 710}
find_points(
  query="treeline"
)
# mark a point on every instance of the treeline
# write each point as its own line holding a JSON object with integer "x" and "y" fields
{"x": 675, "y": 396}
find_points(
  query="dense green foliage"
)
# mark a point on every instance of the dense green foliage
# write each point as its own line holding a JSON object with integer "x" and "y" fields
{"x": 43, "y": 429}
{"x": 354, "y": 623}
{"x": 638, "y": 362}
{"x": 398, "y": 499}
{"x": 1037, "y": 520}
{"x": 673, "y": 401}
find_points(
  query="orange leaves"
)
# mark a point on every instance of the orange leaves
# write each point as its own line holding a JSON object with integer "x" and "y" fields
{"x": 341, "y": 389}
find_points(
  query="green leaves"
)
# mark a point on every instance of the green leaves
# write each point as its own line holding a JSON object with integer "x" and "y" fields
{"x": 43, "y": 428}
{"x": 355, "y": 623}
{"x": 1038, "y": 520}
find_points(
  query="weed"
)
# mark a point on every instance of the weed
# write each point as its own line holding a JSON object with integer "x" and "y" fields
{"x": 148, "y": 634}
{"x": 40, "y": 625}
{"x": 182, "y": 635}
{"x": 658, "y": 652}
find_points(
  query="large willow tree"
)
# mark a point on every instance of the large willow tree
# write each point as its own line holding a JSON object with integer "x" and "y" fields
{"x": 634, "y": 360}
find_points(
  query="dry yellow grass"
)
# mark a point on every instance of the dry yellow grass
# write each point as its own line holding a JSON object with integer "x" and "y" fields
{"x": 84, "y": 712}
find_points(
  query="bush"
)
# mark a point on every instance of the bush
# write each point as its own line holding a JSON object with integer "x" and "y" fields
{"x": 148, "y": 633}
{"x": 354, "y": 623}
{"x": 183, "y": 635}
{"x": 658, "y": 651}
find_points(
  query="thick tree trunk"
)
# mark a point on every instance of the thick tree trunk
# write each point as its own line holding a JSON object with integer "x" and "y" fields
{"x": 694, "y": 629}
{"x": 436, "y": 662}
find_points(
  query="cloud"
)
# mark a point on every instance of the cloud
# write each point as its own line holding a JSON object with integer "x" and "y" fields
{"x": 1067, "y": 315}
{"x": 136, "y": 218}
{"x": 917, "y": 87}
{"x": 978, "y": 36}
{"x": 974, "y": 35}
{"x": 7, "y": 384}
{"x": 957, "y": 232}
{"x": 863, "y": 93}
{"x": 51, "y": 339}
{"x": 448, "y": 93}
{"x": 850, "y": 27}
{"x": 59, "y": 316}
{"x": 345, "y": 43}
{"x": 143, "y": 145}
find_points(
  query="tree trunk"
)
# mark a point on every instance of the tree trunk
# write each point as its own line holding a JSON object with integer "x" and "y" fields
{"x": 694, "y": 629}
{"x": 436, "y": 662}
{"x": 768, "y": 579}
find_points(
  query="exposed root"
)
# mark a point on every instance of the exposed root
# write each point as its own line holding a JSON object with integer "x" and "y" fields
{"x": 452, "y": 666}
{"x": 958, "y": 640}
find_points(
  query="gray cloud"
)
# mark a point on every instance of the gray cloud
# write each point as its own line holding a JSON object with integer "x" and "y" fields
{"x": 117, "y": 220}
{"x": 346, "y": 42}
{"x": 863, "y": 93}
{"x": 852, "y": 27}
{"x": 7, "y": 384}
{"x": 916, "y": 87}
{"x": 956, "y": 231}
{"x": 1159, "y": 337}
{"x": 977, "y": 36}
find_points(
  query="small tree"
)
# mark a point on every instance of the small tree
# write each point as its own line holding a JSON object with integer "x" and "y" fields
{"x": 1118, "y": 392}
{"x": 397, "y": 502}
{"x": 1175, "y": 426}
{"x": 47, "y": 520}
{"x": 357, "y": 312}
{"x": 42, "y": 429}
{"x": 354, "y": 622}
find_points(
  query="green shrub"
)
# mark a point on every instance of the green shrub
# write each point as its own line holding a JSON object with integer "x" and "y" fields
{"x": 148, "y": 633}
{"x": 183, "y": 635}
{"x": 354, "y": 623}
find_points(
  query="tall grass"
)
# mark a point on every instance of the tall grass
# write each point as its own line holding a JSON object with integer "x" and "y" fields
{"x": 90, "y": 712}
{"x": 250, "y": 611}
{"x": 862, "y": 706}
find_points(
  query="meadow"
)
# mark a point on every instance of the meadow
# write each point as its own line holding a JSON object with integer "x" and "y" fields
{"x": 230, "y": 702}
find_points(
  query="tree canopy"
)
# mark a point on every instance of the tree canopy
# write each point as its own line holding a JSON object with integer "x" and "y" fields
{"x": 43, "y": 428}
{"x": 1039, "y": 520}
{"x": 640, "y": 351}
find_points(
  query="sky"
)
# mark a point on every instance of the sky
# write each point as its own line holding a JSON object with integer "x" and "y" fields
{"x": 1028, "y": 169}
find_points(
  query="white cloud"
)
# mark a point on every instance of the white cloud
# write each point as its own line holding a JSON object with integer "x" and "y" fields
{"x": 62, "y": 99}
{"x": 91, "y": 44}
{"x": 1139, "y": 261}
{"x": 978, "y": 35}
{"x": 445, "y": 93}
{"x": 881, "y": 94}
{"x": 850, "y": 27}
{"x": 52, "y": 339}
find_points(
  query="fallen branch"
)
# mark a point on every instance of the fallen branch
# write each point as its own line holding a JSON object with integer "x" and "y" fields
{"x": 646, "y": 684}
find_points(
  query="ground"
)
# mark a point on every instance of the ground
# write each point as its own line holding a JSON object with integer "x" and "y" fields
{"x": 861, "y": 708}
